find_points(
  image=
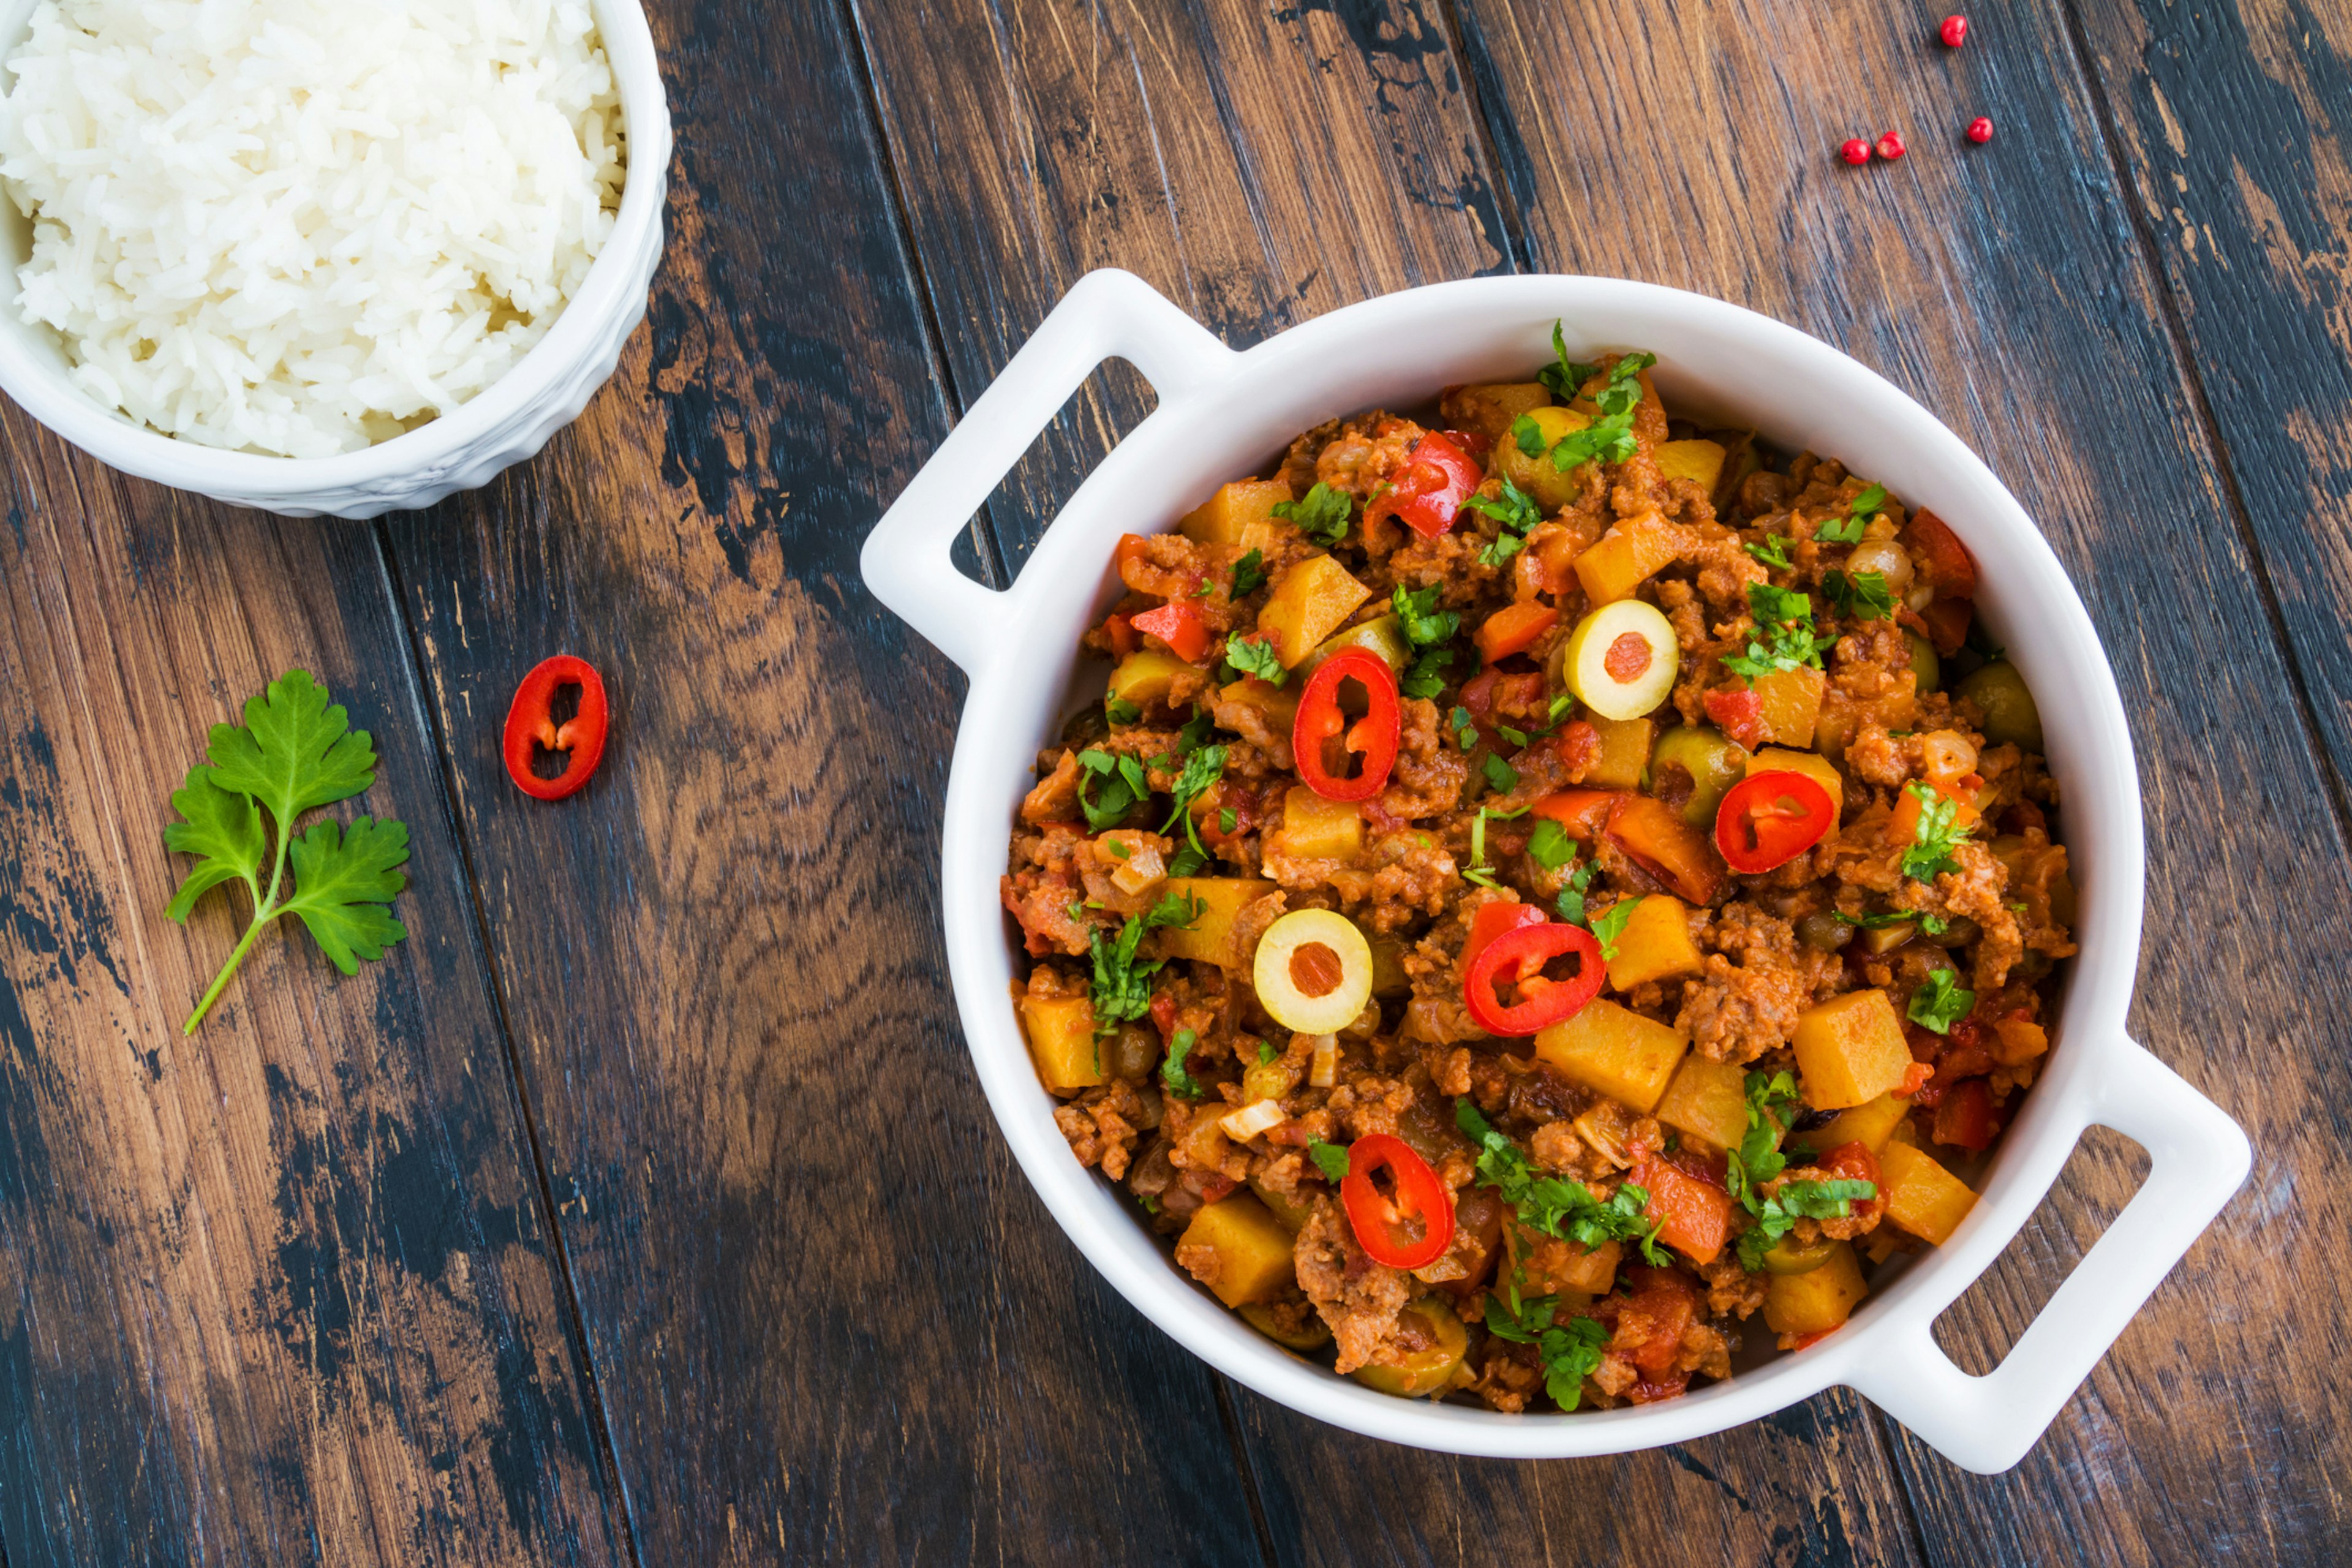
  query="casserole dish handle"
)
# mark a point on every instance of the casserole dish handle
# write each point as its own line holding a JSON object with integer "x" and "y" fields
{"x": 1107, "y": 314}
{"x": 2196, "y": 1158}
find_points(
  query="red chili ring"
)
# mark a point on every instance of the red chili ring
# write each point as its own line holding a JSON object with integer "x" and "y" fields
{"x": 529, "y": 719}
{"x": 1374, "y": 735}
{"x": 1756, "y": 830}
{"x": 1376, "y": 1219}
{"x": 1519, "y": 956}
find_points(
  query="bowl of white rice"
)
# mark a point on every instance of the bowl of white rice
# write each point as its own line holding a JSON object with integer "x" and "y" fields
{"x": 338, "y": 256}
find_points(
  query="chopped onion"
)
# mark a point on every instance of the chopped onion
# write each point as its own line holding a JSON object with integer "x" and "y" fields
{"x": 1325, "y": 1072}
{"x": 1254, "y": 1118}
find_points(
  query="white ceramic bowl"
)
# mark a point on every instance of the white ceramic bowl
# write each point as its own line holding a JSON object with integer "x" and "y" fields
{"x": 507, "y": 422}
{"x": 1222, "y": 414}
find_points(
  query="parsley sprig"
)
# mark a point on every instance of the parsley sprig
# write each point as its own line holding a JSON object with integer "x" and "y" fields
{"x": 1330, "y": 1159}
{"x": 1859, "y": 511}
{"x": 1548, "y": 846}
{"x": 1609, "y": 924}
{"x": 1940, "y": 1003}
{"x": 1783, "y": 637}
{"x": 1321, "y": 514}
{"x": 1570, "y": 1350}
{"x": 1564, "y": 377}
{"x": 1558, "y": 1205}
{"x": 1249, "y": 575}
{"x": 1121, "y": 782}
{"x": 1934, "y": 925}
{"x": 1935, "y": 836}
{"x": 1171, "y": 1072}
{"x": 1121, "y": 987}
{"x": 1610, "y": 437}
{"x": 1793, "y": 1202}
{"x": 1862, "y": 596}
{"x": 1515, "y": 512}
{"x": 293, "y": 753}
{"x": 1570, "y": 902}
{"x": 1772, "y": 551}
{"x": 1202, "y": 767}
{"x": 1429, "y": 630}
{"x": 1759, "y": 1158}
{"x": 1255, "y": 654}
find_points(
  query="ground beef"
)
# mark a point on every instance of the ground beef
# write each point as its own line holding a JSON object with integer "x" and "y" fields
{"x": 1359, "y": 1299}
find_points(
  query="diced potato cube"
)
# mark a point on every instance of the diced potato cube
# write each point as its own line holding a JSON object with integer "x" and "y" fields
{"x": 1061, "y": 1033}
{"x": 1792, "y": 703}
{"x": 1142, "y": 676}
{"x": 1850, "y": 1049}
{"x": 1492, "y": 408}
{"x": 1313, "y": 600}
{"x": 1813, "y": 764}
{"x": 1384, "y": 636}
{"x": 1614, "y": 1051}
{"x": 1532, "y": 471}
{"x": 1624, "y": 753}
{"x": 1870, "y": 1125}
{"x": 1701, "y": 462}
{"x": 1817, "y": 1299}
{"x": 1209, "y": 938}
{"x": 1706, "y": 1101}
{"x": 1239, "y": 513}
{"x": 1625, "y": 556}
{"x": 1922, "y": 1196}
{"x": 1314, "y": 828}
{"x": 1655, "y": 944}
{"x": 1238, "y": 1249}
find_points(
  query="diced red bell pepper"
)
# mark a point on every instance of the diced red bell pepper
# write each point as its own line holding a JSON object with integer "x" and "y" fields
{"x": 1951, "y": 567}
{"x": 1584, "y": 813}
{"x": 1124, "y": 638}
{"x": 1693, "y": 1215}
{"x": 1178, "y": 625}
{"x": 1967, "y": 1118}
{"x": 1512, "y": 628}
{"x": 1661, "y": 1308}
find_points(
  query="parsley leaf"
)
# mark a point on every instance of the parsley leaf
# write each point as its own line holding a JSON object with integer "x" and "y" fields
{"x": 1249, "y": 573}
{"x": 1201, "y": 769}
{"x": 1860, "y": 597}
{"x": 1570, "y": 902}
{"x": 1119, "y": 711}
{"x": 1571, "y": 1351}
{"x": 1266, "y": 1052}
{"x": 1227, "y": 820}
{"x": 1564, "y": 377}
{"x": 1772, "y": 551}
{"x": 1194, "y": 734}
{"x": 1934, "y": 837}
{"x": 1759, "y": 1158}
{"x": 1321, "y": 515}
{"x": 1859, "y": 512}
{"x": 1171, "y": 1072}
{"x": 1123, "y": 787}
{"x": 1515, "y": 512}
{"x": 1610, "y": 437}
{"x": 1254, "y": 656}
{"x": 1465, "y": 729}
{"x": 1941, "y": 1003}
{"x": 1609, "y": 924}
{"x": 1121, "y": 987}
{"x": 1934, "y": 925}
{"x": 1793, "y": 1202}
{"x": 1557, "y": 1205}
{"x": 1425, "y": 624}
{"x": 1550, "y": 846}
{"x": 1783, "y": 637}
{"x": 293, "y": 752}
{"x": 1528, "y": 434}
{"x": 1330, "y": 1159}
{"x": 1500, "y": 775}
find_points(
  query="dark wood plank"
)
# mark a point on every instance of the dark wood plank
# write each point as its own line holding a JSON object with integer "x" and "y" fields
{"x": 832, "y": 1322}
{"x": 2003, "y": 286}
{"x": 283, "y": 1292}
{"x": 1260, "y": 167}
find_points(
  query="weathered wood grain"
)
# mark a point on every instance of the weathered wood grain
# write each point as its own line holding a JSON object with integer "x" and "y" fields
{"x": 1039, "y": 139}
{"x": 2003, "y": 286}
{"x": 281, "y": 1292}
{"x": 833, "y": 1324}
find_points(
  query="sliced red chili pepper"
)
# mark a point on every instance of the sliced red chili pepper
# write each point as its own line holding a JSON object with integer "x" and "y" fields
{"x": 531, "y": 718}
{"x": 1373, "y": 736}
{"x": 1519, "y": 957}
{"x": 1380, "y": 1221}
{"x": 1178, "y": 625}
{"x": 1494, "y": 920}
{"x": 1771, "y": 818}
{"x": 1438, "y": 476}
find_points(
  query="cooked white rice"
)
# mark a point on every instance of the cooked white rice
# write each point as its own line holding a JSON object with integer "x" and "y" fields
{"x": 297, "y": 227}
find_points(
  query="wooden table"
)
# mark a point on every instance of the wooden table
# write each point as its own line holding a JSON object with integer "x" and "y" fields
{"x": 642, "y": 1207}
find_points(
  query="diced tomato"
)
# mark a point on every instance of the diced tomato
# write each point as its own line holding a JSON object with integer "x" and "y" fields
{"x": 1693, "y": 1215}
{"x": 1512, "y": 628}
{"x": 1914, "y": 1080}
{"x": 1555, "y": 557}
{"x": 1662, "y": 1306}
{"x": 1967, "y": 1117}
{"x": 1740, "y": 713}
{"x": 1578, "y": 746}
{"x": 1427, "y": 495}
{"x": 1163, "y": 1014}
{"x": 1178, "y": 625}
{"x": 1506, "y": 697}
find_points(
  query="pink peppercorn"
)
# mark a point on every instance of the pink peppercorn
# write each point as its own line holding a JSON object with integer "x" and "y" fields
{"x": 1980, "y": 129}
{"x": 1855, "y": 151}
{"x": 1955, "y": 31}
{"x": 1891, "y": 145}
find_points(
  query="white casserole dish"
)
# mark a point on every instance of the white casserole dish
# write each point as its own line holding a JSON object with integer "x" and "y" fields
{"x": 1222, "y": 415}
{"x": 509, "y": 420}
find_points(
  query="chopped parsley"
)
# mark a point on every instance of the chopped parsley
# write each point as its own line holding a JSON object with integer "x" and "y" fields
{"x": 1934, "y": 925}
{"x": 1772, "y": 551}
{"x": 1121, "y": 988}
{"x": 1515, "y": 512}
{"x": 1187, "y": 861}
{"x": 1528, "y": 434}
{"x": 1428, "y": 629}
{"x": 1783, "y": 637}
{"x": 1558, "y": 1205}
{"x": 1321, "y": 515}
{"x": 1859, "y": 511}
{"x": 1941, "y": 1003}
{"x": 1793, "y": 1202}
{"x": 1249, "y": 573}
{"x": 1516, "y": 737}
{"x": 1171, "y": 1072}
{"x": 1478, "y": 871}
{"x": 1122, "y": 783}
{"x": 1500, "y": 775}
{"x": 1860, "y": 597}
{"x": 1465, "y": 729}
{"x": 1254, "y": 656}
{"x": 1227, "y": 821}
{"x": 1934, "y": 837}
{"x": 1610, "y": 437}
{"x": 1564, "y": 377}
{"x": 1119, "y": 711}
{"x": 1266, "y": 1052}
{"x": 1570, "y": 902}
{"x": 1201, "y": 769}
{"x": 1550, "y": 846}
{"x": 1609, "y": 924}
{"x": 1571, "y": 1351}
{"x": 1759, "y": 1158}
{"x": 1330, "y": 1159}
{"x": 1194, "y": 734}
